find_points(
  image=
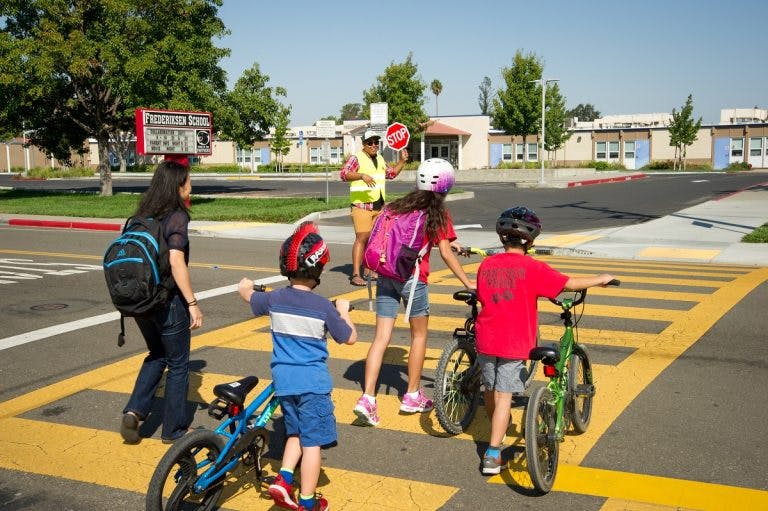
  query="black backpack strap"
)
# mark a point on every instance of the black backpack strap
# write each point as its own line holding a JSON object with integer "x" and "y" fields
{"x": 121, "y": 335}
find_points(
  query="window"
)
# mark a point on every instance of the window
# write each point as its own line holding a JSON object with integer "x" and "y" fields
{"x": 519, "y": 152}
{"x": 629, "y": 150}
{"x": 755, "y": 146}
{"x": 533, "y": 152}
{"x": 737, "y": 146}
{"x": 600, "y": 150}
{"x": 244, "y": 156}
{"x": 613, "y": 150}
{"x": 506, "y": 152}
{"x": 314, "y": 155}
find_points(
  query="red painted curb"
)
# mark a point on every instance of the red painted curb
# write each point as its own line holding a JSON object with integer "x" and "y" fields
{"x": 65, "y": 224}
{"x": 573, "y": 184}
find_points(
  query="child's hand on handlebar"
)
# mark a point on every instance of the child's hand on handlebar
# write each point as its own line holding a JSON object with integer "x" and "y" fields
{"x": 245, "y": 288}
{"x": 342, "y": 305}
{"x": 458, "y": 249}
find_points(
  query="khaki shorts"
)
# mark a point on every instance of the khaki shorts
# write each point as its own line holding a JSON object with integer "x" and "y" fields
{"x": 363, "y": 219}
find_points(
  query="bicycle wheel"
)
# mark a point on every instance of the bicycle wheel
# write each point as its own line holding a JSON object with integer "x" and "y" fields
{"x": 541, "y": 446}
{"x": 581, "y": 389}
{"x": 457, "y": 386}
{"x": 175, "y": 475}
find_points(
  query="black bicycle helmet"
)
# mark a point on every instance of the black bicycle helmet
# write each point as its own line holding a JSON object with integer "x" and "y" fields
{"x": 304, "y": 253}
{"x": 520, "y": 223}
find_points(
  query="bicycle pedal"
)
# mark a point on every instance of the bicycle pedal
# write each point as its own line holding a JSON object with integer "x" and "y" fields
{"x": 217, "y": 408}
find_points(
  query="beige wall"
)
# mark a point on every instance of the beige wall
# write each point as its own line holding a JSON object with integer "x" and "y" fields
{"x": 475, "y": 146}
{"x": 12, "y": 156}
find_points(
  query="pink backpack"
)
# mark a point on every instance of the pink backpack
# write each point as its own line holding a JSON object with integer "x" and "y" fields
{"x": 396, "y": 244}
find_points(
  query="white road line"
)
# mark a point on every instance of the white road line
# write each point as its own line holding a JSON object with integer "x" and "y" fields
{"x": 44, "y": 333}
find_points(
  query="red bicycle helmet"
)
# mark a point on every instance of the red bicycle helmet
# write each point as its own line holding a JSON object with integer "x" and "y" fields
{"x": 304, "y": 253}
{"x": 519, "y": 222}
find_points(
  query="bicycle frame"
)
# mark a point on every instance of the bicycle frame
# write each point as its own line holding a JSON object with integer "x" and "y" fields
{"x": 237, "y": 428}
{"x": 558, "y": 382}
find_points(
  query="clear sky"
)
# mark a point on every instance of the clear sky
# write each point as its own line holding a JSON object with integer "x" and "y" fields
{"x": 623, "y": 57}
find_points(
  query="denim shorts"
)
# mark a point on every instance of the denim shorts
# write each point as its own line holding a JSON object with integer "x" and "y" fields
{"x": 310, "y": 417}
{"x": 389, "y": 293}
{"x": 503, "y": 374}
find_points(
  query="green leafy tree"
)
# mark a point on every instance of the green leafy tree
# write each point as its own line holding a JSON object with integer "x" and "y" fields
{"x": 484, "y": 97}
{"x": 584, "y": 112}
{"x": 280, "y": 144}
{"x": 556, "y": 116}
{"x": 80, "y": 68}
{"x": 437, "y": 88}
{"x": 251, "y": 108}
{"x": 517, "y": 106}
{"x": 351, "y": 111}
{"x": 401, "y": 87}
{"x": 683, "y": 131}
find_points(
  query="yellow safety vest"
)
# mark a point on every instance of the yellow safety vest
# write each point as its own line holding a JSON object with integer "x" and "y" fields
{"x": 359, "y": 191}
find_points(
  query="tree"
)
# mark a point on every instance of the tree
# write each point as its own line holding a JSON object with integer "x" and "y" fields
{"x": 683, "y": 131}
{"x": 517, "y": 107}
{"x": 251, "y": 108}
{"x": 583, "y": 112}
{"x": 280, "y": 145}
{"x": 351, "y": 111}
{"x": 484, "y": 98}
{"x": 556, "y": 129}
{"x": 401, "y": 87}
{"x": 437, "y": 88}
{"x": 80, "y": 68}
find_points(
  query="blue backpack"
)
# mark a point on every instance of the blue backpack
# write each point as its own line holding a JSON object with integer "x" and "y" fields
{"x": 137, "y": 270}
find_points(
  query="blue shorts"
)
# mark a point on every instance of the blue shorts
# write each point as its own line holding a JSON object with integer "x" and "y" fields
{"x": 503, "y": 374}
{"x": 389, "y": 293}
{"x": 310, "y": 417}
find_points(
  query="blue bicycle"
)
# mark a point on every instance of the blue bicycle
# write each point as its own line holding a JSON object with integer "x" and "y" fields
{"x": 192, "y": 473}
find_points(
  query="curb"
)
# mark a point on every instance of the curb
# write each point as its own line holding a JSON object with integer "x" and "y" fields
{"x": 573, "y": 184}
{"x": 64, "y": 224}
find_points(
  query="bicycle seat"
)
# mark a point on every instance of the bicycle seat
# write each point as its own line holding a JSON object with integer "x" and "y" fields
{"x": 466, "y": 296}
{"x": 236, "y": 391}
{"x": 547, "y": 354}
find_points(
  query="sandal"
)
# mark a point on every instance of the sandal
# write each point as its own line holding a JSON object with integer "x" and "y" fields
{"x": 356, "y": 280}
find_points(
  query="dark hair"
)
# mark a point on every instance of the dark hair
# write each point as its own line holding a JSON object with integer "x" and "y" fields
{"x": 431, "y": 202}
{"x": 162, "y": 196}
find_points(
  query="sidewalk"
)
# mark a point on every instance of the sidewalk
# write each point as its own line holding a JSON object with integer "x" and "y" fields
{"x": 707, "y": 233}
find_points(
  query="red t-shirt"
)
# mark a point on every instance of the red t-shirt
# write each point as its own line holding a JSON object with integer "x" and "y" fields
{"x": 508, "y": 287}
{"x": 446, "y": 234}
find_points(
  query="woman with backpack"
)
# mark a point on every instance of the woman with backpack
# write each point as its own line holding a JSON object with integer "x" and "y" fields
{"x": 166, "y": 331}
{"x": 435, "y": 178}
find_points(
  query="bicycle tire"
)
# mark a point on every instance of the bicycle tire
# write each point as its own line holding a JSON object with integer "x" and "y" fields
{"x": 542, "y": 449}
{"x": 177, "y": 469}
{"x": 457, "y": 386}
{"x": 530, "y": 367}
{"x": 581, "y": 389}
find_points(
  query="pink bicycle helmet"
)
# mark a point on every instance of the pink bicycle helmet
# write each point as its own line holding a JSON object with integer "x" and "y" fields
{"x": 435, "y": 175}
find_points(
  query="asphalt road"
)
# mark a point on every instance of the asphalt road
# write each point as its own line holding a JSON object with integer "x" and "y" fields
{"x": 678, "y": 352}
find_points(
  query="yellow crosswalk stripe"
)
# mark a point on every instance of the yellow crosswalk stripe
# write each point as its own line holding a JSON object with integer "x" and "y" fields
{"x": 100, "y": 457}
{"x": 675, "y": 493}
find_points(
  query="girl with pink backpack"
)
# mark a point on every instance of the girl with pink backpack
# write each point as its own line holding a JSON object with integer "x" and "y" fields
{"x": 434, "y": 179}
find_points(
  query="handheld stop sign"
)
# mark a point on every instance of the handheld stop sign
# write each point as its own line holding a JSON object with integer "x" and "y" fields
{"x": 397, "y": 136}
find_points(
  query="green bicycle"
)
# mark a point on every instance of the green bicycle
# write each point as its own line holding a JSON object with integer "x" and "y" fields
{"x": 566, "y": 400}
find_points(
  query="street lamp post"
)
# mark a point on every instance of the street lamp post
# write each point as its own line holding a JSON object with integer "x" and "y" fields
{"x": 543, "y": 121}
{"x": 24, "y": 135}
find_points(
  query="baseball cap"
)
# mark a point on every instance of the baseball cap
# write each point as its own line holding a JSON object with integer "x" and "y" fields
{"x": 370, "y": 134}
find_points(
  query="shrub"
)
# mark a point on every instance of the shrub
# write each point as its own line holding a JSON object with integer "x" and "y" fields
{"x": 660, "y": 165}
{"x": 738, "y": 166}
{"x": 759, "y": 235}
{"x": 48, "y": 173}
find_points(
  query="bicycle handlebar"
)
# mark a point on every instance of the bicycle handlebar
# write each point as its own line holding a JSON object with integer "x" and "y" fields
{"x": 261, "y": 288}
{"x": 467, "y": 251}
{"x": 582, "y": 293}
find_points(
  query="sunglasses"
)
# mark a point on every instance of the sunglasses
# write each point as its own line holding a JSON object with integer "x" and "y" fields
{"x": 371, "y": 142}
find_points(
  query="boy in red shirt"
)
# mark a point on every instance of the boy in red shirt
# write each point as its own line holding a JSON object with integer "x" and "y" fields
{"x": 508, "y": 287}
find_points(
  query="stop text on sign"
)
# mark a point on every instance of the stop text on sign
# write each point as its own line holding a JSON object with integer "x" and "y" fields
{"x": 397, "y": 136}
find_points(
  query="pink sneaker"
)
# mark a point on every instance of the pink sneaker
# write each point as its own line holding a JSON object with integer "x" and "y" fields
{"x": 282, "y": 493}
{"x": 418, "y": 404}
{"x": 366, "y": 412}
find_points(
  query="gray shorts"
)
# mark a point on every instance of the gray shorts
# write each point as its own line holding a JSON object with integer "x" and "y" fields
{"x": 389, "y": 293}
{"x": 503, "y": 374}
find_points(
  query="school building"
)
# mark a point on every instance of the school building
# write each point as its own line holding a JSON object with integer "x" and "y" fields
{"x": 470, "y": 142}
